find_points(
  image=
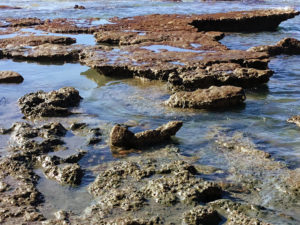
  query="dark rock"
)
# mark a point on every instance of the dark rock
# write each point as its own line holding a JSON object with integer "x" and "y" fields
{"x": 77, "y": 126}
{"x": 94, "y": 140}
{"x": 53, "y": 129}
{"x": 75, "y": 158}
{"x": 49, "y": 104}
{"x": 289, "y": 46}
{"x": 10, "y": 77}
{"x": 35, "y": 41}
{"x": 202, "y": 215}
{"x": 244, "y": 21}
{"x": 79, "y": 7}
{"x": 120, "y": 136}
{"x": 211, "y": 98}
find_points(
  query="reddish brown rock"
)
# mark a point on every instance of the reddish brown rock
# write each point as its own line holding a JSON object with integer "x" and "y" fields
{"x": 9, "y": 7}
{"x": 289, "y": 46}
{"x": 62, "y": 25}
{"x": 120, "y": 136}
{"x": 10, "y": 77}
{"x": 211, "y": 98}
{"x": 23, "y": 22}
{"x": 35, "y": 41}
{"x": 256, "y": 20}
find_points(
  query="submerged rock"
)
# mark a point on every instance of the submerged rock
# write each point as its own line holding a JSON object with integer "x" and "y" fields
{"x": 211, "y": 98}
{"x": 120, "y": 136}
{"x": 10, "y": 77}
{"x": 49, "y": 104}
{"x": 289, "y": 46}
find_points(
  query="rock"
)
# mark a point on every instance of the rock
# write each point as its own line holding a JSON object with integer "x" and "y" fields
{"x": 244, "y": 21}
{"x": 35, "y": 41}
{"x": 295, "y": 119}
{"x": 49, "y": 104}
{"x": 94, "y": 140}
{"x": 79, "y": 7}
{"x": 70, "y": 174}
{"x": 289, "y": 46}
{"x": 23, "y": 22}
{"x": 77, "y": 126}
{"x": 120, "y": 136}
{"x": 9, "y": 7}
{"x": 53, "y": 129}
{"x": 44, "y": 52}
{"x": 202, "y": 215}
{"x": 211, "y": 98}
{"x": 3, "y": 186}
{"x": 10, "y": 77}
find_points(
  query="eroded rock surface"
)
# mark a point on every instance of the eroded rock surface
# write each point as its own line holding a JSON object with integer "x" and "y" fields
{"x": 289, "y": 46}
{"x": 121, "y": 136}
{"x": 202, "y": 215}
{"x": 10, "y": 77}
{"x": 35, "y": 41}
{"x": 49, "y": 104}
{"x": 211, "y": 98}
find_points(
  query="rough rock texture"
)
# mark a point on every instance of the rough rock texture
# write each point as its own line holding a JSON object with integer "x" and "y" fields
{"x": 289, "y": 46}
{"x": 23, "y": 22}
{"x": 65, "y": 173}
{"x": 120, "y": 136}
{"x": 202, "y": 215}
{"x": 63, "y": 25}
{"x": 44, "y": 52}
{"x": 35, "y": 41}
{"x": 211, "y": 98}
{"x": 10, "y": 77}
{"x": 295, "y": 120}
{"x": 49, "y": 104}
{"x": 139, "y": 186}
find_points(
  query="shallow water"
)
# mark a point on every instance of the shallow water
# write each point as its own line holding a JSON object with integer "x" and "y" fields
{"x": 108, "y": 100}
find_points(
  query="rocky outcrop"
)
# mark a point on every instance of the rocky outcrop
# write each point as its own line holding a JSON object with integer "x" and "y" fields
{"x": 9, "y": 7}
{"x": 211, "y": 98}
{"x": 10, "y": 77}
{"x": 247, "y": 21}
{"x": 289, "y": 46}
{"x": 49, "y": 104}
{"x": 202, "y": 215}
{"x": 35, "y": 41}
{"x": 70, "y": 174}
{"x": 121, "y": 136}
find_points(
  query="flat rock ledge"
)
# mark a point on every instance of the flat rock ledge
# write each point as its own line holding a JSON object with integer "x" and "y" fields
{"x": 120, "y": 136}
{"x": 49, "y": 104}
{"x": 211, "y": 98}
{"x": 289, "y": 46}
{"x": 249, "y": 21}
{"x": 10, "y": 77}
